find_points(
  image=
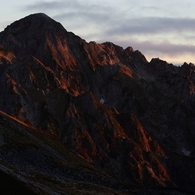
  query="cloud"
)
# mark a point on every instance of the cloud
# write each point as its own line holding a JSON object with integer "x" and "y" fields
{"x": 171, "y": 52}
{"x": 95, "y": 21}
{"x": 74, "y": 12}
{"x": 87, "y": 17}
{"x": 52, "y": 5}
{"x": 167, "y": 48}
{"x": 117, "y": 22}
{"x": 170, "y": 49}
{"x": 150, "y": 8}
{"x": 152, "y": 25}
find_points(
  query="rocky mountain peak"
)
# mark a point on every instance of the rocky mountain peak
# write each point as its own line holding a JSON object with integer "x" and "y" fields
{"x": 34, "y": 21}
{"x": 188, "y": 69}
{"x": 29, "y": 32}
{"x": 117, "y": 113}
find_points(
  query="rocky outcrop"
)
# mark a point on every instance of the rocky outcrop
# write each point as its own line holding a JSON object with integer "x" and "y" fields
{"x": 131, "y": 118}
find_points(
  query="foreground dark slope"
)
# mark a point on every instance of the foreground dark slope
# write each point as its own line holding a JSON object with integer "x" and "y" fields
{"x": 131, "y": 118}
{"x": 33, "y": 159}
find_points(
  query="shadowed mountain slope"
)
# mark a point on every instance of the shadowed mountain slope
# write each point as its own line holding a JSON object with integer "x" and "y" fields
{"x": 131, "y": 121}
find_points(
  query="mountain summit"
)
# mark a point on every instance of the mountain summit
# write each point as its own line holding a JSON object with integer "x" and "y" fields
{"x": 89, "y": 118}
{"x": 30, "y": 32}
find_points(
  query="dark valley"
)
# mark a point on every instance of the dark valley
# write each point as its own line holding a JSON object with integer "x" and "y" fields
{"x": 88, "y": 118}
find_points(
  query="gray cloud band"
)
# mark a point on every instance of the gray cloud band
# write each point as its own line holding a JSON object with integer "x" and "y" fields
{"x": 153, "y": 25}
{"x": 119, "y": 23}
{"x": 167, "y": 48}
{"x": 112, "y": 25}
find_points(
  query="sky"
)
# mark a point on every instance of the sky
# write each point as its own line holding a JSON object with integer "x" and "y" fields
{"x": 159, "y": 29}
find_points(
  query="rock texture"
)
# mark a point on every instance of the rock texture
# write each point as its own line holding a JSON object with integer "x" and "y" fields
{"x": 133, "y": 120}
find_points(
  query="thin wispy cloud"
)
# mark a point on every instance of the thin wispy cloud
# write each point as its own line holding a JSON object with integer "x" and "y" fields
{"x": 153, "y": 25}
{"x": 167, "y": 48}
{"x": 95, "y": 21}
{"x": 74, "y": 11}
{"x": 59, "y": 5}
{"x": 119, "y": 23}
{"x": 90, "y": 16}
{"x": 155, "y": 8}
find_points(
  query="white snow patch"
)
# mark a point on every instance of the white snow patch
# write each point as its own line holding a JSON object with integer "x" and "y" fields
{"x": 186, "y": 152}
{"x": 102, "y": 100}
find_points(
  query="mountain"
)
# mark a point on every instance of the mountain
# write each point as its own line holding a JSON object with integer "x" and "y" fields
{"x": 89, "y": 118}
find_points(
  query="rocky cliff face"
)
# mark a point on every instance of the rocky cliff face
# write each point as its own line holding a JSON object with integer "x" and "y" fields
{"x": 130, "y": 118}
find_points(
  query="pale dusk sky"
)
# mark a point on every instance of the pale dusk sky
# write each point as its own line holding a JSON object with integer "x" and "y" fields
{"x": 164, "y": 29}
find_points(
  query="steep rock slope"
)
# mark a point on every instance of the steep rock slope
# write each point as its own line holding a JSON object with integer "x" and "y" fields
{"x": 33, "y": 159}
{"x": 132, "y": 118}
